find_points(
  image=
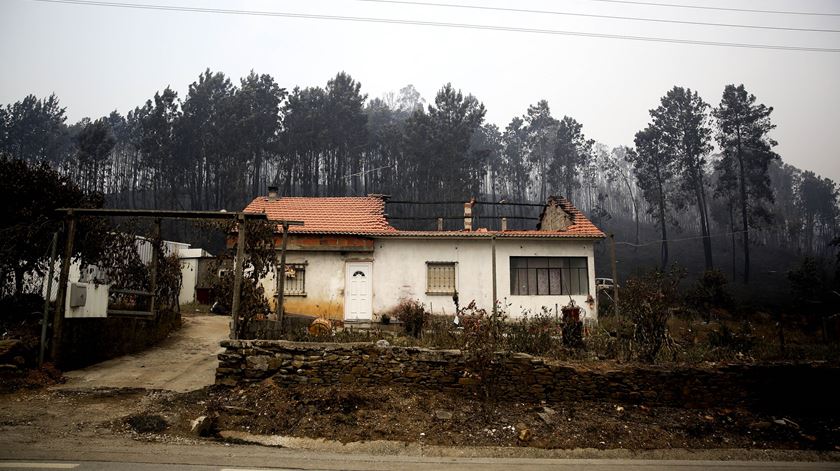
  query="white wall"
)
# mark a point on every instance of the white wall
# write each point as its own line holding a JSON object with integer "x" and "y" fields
{"x": 324, "y": 284}
{"x": 96, "y": 304}
{"x": 399, "y": 271}
{"x": 189, "y": 272}
{"x": 189, "y": 275}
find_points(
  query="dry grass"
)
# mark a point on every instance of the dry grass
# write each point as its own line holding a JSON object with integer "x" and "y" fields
{"x": 690, "y": 339}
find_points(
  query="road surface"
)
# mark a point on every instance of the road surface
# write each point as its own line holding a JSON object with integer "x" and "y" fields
{"x": 449, "y": 465}
{"x": 218, "y": 457}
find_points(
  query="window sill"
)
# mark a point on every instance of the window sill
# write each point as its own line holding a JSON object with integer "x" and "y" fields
{"x": 296, "y": 295}
{"x": 439, "y": 293}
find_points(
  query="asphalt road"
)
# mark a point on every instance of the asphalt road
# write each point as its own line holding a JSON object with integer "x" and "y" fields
{"x": 450, "y": 464}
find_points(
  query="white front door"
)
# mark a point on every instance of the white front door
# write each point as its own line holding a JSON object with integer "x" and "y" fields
{"x": 358, "y": 291}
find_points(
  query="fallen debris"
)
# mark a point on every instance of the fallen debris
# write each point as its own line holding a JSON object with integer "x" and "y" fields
{"x": 147, "y": 423}
{"x": 523, "y": 433}
{"x": 787, "y": 422}
{"x": 548, "y": 415}
{"x": 202, "y": 426}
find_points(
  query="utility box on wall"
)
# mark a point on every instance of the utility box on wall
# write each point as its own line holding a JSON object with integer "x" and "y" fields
{"x": 86, "y": 300}
{"x": 78, "y": 294}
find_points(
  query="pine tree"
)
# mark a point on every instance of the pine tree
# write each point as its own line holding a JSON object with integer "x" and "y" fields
{"x": 743, "y": 128}
{"x": 682, "y": 121}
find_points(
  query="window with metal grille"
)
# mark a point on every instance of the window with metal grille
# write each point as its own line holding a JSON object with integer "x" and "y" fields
{"x": 440, "y": 278}
{"x": 295, "y": 282}
{"x": 538, "y": 276}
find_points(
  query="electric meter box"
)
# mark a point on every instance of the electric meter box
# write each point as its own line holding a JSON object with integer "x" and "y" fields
{"x": 78, "y": 294}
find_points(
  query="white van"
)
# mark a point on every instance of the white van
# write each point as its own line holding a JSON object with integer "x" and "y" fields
{"x": 604, "y": 283}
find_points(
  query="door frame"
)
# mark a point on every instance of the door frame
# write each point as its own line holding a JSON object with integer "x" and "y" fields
{"x": 347, "y": 276}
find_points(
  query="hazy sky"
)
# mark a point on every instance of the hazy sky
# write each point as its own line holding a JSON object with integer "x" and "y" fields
{"x": 97, "y": 59}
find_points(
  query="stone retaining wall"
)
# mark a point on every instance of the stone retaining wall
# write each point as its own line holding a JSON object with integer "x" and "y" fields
{"x": 520, "y": 377}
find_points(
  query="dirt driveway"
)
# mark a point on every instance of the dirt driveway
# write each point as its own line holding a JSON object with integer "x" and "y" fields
{"x": 183, "y": 362}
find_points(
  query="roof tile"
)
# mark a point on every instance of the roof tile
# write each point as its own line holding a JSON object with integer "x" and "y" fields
{"x": 365, "y": 216}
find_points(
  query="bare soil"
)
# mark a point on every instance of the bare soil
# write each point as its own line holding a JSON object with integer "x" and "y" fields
{"x": 97, "y": 405}
{"x": 399, "y": 415}
{"x": 351, "y": 414}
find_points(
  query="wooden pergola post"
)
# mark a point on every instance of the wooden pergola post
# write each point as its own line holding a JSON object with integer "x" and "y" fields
{"x": 155, "y": 263}
{"x": 281, "y": 277}
{"x": 238, "y": 270}
{"x": 47, "y": 296}
{"x": 58, "y": 318}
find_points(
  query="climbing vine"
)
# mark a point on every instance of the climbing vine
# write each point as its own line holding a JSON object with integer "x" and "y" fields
{"x": 119, "y": 264}
{"x": 260, "y": 260}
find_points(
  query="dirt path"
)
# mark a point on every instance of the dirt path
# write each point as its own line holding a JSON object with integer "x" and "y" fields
{"x": 183, "y": 362}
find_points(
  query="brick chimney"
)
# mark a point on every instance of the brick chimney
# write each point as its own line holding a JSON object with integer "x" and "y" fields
{"x": 273, "y": 192}
{"x": 468, "y": 212}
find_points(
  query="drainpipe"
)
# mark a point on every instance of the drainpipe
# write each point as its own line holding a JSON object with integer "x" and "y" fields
{"x": 493, "y": 250}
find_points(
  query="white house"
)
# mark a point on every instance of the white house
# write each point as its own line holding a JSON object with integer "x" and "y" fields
{"x": 348, "y": 262}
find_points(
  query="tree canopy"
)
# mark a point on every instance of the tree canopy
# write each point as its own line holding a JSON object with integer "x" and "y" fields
{"x": 674, "y": 189}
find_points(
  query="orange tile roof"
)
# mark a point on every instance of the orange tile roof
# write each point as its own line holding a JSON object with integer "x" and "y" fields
{"x": 352, "y": 215}
{"x": 365, "y": 216}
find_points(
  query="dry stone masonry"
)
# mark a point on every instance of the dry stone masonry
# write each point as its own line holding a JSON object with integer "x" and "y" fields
{"x": 525, "y": 378}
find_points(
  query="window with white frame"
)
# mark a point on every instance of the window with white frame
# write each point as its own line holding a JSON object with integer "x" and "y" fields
{"x": 548, "y": 276}
{"x": 440, "y": 278}
{"x": 295, "y": 282}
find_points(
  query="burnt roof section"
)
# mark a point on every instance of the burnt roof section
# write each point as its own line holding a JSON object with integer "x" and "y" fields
{"x": 365, "y": 216}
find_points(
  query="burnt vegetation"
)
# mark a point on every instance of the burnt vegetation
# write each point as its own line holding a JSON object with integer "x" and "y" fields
{"x": 701, "y": 187}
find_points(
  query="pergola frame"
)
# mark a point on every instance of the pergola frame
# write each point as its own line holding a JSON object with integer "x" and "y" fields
{"x": 241, "y": 217}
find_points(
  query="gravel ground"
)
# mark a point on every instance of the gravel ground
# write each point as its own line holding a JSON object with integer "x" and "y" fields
{"x": 398, "y": 421}
{"x": 352, "y": 414}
